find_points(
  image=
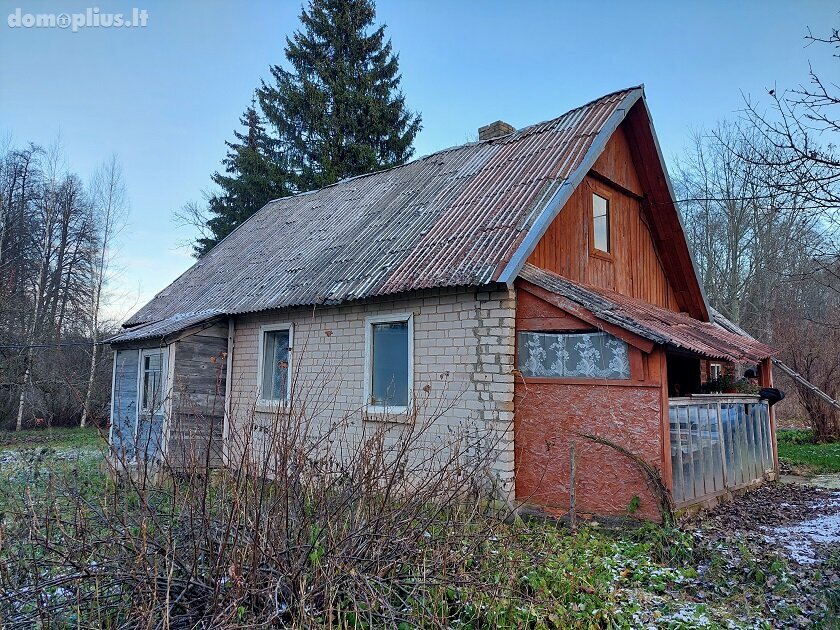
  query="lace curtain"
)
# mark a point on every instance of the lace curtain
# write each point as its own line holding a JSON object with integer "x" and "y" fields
{"x": 573, "y": 355}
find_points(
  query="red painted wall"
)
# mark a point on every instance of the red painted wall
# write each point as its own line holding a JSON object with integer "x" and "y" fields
{"x": 547, "y": 418}
{"x": 551, "y": 412}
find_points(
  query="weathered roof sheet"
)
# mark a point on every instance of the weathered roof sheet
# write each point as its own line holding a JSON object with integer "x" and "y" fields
{"x": 654, "y": 323}
{"x": 454, "y": 218}
{"x": 163, "y": 328}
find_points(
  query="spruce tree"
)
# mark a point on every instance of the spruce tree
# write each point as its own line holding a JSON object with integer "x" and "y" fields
{"x": 339, "y": 110}
{"x": 255, "y": 173}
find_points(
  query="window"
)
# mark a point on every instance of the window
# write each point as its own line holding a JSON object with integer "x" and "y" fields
{"x": 389, "y": 363}
{"x": 600, "y": 223}
{"x": 572, "y": 355}
{"x": 152, "y": 379}
{"x": 715, "y": 370}
{"x": 275, "y": 384}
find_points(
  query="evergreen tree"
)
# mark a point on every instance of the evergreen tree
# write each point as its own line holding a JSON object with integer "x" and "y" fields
{"x": 255, "y": 173}
{"x": 339, "y": 110}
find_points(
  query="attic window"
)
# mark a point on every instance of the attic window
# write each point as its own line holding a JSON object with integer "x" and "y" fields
{"x": 600, "y": 223}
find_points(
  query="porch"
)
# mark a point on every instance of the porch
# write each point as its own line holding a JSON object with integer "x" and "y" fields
{"x": 719, "y": 443}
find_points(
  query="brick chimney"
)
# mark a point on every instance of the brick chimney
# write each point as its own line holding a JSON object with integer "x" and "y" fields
{"x": 494, "y": 130}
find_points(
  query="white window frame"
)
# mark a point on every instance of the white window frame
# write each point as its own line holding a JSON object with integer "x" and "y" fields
{"x": 715, "y": 371}
{"x": 264, "y": 404}
{"x": 394, "y": 318}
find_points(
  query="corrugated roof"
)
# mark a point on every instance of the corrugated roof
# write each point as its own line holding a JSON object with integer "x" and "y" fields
{"x": 454, "y": 218}
{"x": 654, "y": 323}
{"x": 163, "y": 328}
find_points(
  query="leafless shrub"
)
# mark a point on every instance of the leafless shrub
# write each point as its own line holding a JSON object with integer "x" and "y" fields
{"x": 334, "y": 523}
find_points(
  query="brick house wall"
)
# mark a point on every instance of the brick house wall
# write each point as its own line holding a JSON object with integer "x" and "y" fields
{"x": 463, "y": 354}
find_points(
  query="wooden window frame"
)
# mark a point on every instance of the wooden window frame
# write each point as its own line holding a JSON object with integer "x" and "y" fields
{"x": 141, "y": 380}
{"x": 387, "y": 410}
{"x": 604, "y": 192}
{"x": 264, "y": 404}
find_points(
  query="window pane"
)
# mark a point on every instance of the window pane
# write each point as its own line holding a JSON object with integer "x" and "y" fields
{"x": 389, "y": 364}
{"x": 152, "y": 380}
{"x": 600, "y": 223}
{"x": 275, "y": 376}
{"x": 153, "y": 361}
{"x": 572, "y": 355}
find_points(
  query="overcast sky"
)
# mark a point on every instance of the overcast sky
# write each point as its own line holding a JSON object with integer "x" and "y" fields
{"x": 166, "y": 96}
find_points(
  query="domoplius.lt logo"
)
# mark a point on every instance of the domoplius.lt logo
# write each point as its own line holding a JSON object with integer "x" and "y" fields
{"x": 92, "y": 17}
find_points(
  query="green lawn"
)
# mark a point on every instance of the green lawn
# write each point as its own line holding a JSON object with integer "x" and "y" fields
{"x": 57, "y": 438}
{"x": 798, "y": 451}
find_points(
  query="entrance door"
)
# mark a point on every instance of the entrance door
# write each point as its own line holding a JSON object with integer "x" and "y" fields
{"x": 151, "y": 392}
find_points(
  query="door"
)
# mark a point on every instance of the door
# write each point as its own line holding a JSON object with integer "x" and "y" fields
{"x": 151, "y": 399}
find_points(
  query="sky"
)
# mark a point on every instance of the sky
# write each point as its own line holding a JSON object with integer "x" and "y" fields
{"x": 164, "y": 97}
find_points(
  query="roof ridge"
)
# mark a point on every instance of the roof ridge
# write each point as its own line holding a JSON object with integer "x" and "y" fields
{"x": 429, "y": 156}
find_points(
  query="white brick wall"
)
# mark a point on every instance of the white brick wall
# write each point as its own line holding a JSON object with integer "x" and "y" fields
{"x": 463, "y": 352}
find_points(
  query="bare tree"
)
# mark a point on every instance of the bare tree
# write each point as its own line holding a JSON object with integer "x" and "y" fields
{"x": 108, "y": 207}
{"x": 47, "y": 247}
{"x": 762, "y": 203}
{"x": 750, "y": 238}
{"x": 801, "y": 147}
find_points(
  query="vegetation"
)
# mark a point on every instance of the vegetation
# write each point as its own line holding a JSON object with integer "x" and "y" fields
{"x": 760, "y": 198}
{"x": 255, "y": 173}
{"x": 335, "y": 111}
{"x": 106, "y": 555}
{"x": 798, "y": 450}
{"x": 56, "y": 239}
{"x": 57, "y": 438}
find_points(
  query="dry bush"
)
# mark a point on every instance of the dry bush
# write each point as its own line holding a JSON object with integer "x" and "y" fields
{"x": 313, "y": 522}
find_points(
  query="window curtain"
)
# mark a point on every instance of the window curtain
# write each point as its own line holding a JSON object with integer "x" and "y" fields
{"x": 573, "y": 355}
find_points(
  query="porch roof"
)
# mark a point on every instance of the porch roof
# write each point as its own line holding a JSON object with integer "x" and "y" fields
{"x": 163, "y": 328}
{"x": 662, "y": 326}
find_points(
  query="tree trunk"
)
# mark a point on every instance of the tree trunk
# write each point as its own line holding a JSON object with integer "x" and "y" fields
{"x": 89, "y": 395}
{"x": 26, "y": 376}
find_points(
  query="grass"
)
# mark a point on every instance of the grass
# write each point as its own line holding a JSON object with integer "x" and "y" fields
{"x": 57, "y": 438}
{"x": 797, "y": 449}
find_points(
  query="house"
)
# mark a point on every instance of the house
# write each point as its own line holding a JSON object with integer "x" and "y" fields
{"x": 538, "y": 282}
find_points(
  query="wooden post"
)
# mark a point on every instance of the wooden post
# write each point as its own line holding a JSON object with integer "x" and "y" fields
{"x": 572, "y": 490}
{"x": 765, "y": 375}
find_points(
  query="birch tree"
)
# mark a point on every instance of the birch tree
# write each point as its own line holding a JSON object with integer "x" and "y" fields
{"x": 108, "y": 209}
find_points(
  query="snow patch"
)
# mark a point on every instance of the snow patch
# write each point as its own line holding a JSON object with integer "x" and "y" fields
{"x": 800, "y": 539}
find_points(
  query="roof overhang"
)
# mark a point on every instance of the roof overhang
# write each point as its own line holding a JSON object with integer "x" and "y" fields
{"x": 167, "y": 330}
{"x": 638, "y": 322}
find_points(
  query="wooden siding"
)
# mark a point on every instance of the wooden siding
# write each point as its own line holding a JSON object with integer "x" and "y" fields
{"x": 198, "y": 398}
{"x": 632, "y": 266}
{"x": 616, "y": 164}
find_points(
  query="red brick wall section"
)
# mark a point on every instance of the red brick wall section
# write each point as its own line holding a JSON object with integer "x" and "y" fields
{"x": 548, "y": 415}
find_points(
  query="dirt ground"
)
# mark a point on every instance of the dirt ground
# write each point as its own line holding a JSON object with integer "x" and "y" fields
{"x": 787, "y": 537}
